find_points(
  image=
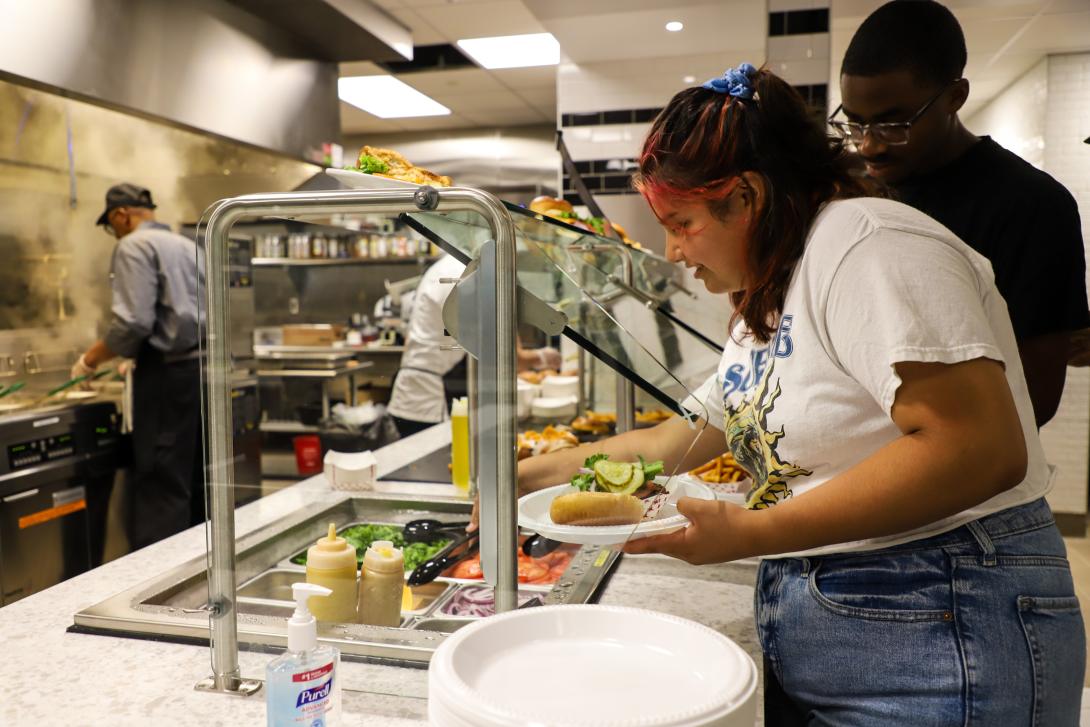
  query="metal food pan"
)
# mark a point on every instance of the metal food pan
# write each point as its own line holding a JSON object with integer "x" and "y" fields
{"x": 172, "y": 605}
{"x": 287, "y": 562}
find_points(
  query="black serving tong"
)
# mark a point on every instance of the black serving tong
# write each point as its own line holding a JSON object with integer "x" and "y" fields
{"x": 430, "y": 569}
{"x": 426, "y": 530}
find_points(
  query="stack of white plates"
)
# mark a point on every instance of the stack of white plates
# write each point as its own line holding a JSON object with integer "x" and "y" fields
{"x": 584, "y": 666}
{"x": 560, "y": 387}
{"x": 526, "y": 394}
{"x": 554, "y": 407}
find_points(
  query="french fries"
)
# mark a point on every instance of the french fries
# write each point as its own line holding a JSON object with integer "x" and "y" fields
{"x": 653, "y": 416}
{"x": 720, "y": 470}
{"x": 595, "y": 422}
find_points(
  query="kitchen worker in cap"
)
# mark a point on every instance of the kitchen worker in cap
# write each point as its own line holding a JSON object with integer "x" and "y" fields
{"x": 155, "y": 319}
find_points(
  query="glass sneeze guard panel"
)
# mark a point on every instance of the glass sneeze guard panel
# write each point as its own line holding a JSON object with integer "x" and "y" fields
{"x": 580, "y": 274}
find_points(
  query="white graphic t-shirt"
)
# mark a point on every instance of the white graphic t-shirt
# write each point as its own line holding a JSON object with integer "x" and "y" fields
{"x": 879, "y": 283}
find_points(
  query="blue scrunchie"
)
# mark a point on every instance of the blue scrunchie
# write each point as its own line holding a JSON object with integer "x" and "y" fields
{"x": 737, "y": 82}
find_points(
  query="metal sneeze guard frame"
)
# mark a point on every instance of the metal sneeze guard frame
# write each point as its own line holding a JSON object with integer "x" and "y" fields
{"x": 495, "y": 416}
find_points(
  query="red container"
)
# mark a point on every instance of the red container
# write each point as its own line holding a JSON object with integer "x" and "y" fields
{"x": 308, "y": 454}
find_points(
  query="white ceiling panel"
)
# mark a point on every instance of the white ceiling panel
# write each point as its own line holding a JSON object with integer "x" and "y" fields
{"x": 427, "y": 4}
{"x": 354, "y": 120}
{"x": 1058, "y": 33}
{"x": 481, "y": 19}
{"x": 437, "y": 123}
{"x": 511, "y": 116}
{"x": 538, "y": 97}
{"x": 537, "y": 77}
{"x": 423, "y": 32}
{"x": 453, "y": 82}
{"x": 547, "y": 10}
{"x": 500, "y": 100}
{"x": 640, "y": 34}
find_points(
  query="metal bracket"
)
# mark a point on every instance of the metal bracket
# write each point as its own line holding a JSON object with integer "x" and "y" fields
{"x": 531, "y": 310}
{"x": 235, "y": 686}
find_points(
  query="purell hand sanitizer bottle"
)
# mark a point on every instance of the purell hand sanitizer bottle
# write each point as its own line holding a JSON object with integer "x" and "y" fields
{"x": 301, "y": 686}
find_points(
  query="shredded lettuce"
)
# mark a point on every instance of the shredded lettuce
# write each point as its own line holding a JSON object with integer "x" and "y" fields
{"x": 370, "y": 164}
{"x": 584, "y": 479}
{"x": 651, "y": 469}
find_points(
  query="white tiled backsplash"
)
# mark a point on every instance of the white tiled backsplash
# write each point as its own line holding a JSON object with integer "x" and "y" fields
{"x": 1044, "y": 116}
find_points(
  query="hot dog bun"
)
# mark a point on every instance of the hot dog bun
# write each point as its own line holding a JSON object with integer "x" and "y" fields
{"x": 596, "y": 508}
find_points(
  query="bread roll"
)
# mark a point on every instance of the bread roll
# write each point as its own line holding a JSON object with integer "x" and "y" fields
{"x": 596, "y": 508}
{"x": 545, "y": 204}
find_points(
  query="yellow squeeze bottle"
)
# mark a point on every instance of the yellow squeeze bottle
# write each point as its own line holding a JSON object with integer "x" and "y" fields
{"x": 331, "y": 562}
{"x": 459, "y": 445}
{"x": 382, "y": 585}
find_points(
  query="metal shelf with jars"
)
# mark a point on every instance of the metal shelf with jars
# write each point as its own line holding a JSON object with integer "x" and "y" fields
{"x": 319, "y": 248}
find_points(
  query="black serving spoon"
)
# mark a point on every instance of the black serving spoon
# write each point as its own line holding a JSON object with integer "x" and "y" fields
{"x": 430, "y": 569}
{"x": 426, "y": 530}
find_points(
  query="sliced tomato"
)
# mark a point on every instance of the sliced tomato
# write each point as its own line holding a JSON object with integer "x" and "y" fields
{"x": 468, "y": 569}
{"x": 555, "y": 558}
{"x": 529, "y": 572}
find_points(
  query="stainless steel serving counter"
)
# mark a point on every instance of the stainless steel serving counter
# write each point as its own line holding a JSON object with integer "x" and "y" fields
{"x": 59, "y": 677}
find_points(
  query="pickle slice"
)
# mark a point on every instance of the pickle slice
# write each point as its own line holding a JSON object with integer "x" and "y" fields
{"x": 612, "y": 474}
{"x": 633, "y": 484}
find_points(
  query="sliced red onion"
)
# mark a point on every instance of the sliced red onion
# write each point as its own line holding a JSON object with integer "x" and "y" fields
{"x": 476, "y": 602}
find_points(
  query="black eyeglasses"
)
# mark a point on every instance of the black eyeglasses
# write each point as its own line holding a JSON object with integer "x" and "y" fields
{"x": 890, "y": 133}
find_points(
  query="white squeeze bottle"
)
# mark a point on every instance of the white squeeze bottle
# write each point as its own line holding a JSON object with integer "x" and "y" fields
{"x": 301, "y": 685}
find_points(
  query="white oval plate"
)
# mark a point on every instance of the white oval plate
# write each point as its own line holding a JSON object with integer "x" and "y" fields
{"x": 509, "y": 670}
{"x": 359, "y": 180}
{"x": 533, "y": 511}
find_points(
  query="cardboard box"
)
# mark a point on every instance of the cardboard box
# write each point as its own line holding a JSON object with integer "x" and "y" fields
{"x": 317, "y": 334}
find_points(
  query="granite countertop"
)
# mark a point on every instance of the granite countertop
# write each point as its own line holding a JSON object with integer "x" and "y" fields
{"x": 56, "y": 677}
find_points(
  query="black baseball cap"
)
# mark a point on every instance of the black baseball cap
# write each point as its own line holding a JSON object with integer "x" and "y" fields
{"x": 125, "y": 195}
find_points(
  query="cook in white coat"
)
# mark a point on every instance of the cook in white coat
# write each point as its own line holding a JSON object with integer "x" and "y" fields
{"x": 430, "y": 376}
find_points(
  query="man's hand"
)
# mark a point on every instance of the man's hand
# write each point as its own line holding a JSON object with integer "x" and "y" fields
{"x": 82, "y": 368}
{"x": 475, "y": 516}
{"x": 718, "y": 533}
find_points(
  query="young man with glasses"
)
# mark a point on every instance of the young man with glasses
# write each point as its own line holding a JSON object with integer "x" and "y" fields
{"x": 902, "y": 89}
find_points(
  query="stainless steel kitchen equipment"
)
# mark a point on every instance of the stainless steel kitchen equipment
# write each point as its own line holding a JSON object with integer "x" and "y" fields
{"x": 173, "y": 606}
{"x": 56, "y": 474}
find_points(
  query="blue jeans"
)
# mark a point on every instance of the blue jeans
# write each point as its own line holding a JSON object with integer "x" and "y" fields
{"x": 978, "y": 626}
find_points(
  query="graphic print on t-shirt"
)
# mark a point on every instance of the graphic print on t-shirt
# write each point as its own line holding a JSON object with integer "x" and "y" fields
{"x": 748, "y": 438}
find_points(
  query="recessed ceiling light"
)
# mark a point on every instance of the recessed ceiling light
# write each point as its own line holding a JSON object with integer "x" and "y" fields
{"x": 513, "y": 51}
{"x": 689, "y": 79}
{"x": 387, "y": 98}
{"x": 674, "y": 26}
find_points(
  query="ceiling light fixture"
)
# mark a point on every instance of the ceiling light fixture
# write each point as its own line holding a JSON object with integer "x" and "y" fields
{"x": 513, "y": 51}
{"x": 387, "y": 98}
{"x": 674, "y": 26}
{"x": 689, "y": 79}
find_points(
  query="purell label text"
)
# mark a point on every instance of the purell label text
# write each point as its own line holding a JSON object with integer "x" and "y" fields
{"x": 309, "y": 676}
{"x": 314, "y": 694}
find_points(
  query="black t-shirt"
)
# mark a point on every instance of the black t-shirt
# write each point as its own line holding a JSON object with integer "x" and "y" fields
{"x": 1021, "y": 219}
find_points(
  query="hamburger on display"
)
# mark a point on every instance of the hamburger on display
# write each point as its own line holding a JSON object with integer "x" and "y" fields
{"x": 562, "y": 210}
